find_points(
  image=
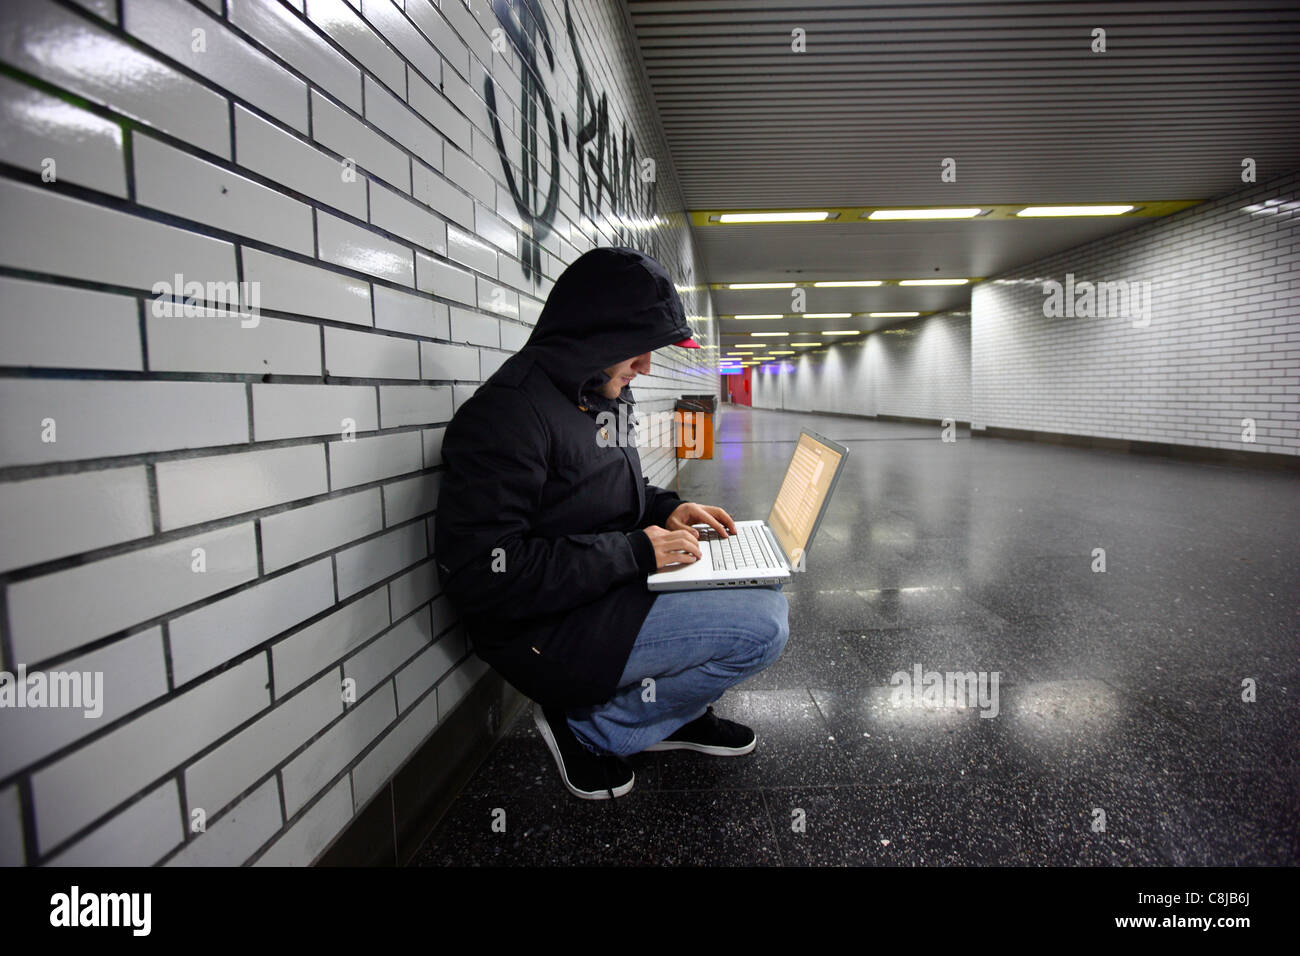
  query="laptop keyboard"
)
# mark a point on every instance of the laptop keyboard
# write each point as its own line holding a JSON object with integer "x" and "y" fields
{"x": 735, "y": 552}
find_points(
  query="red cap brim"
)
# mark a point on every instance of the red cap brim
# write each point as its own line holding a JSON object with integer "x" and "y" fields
{"x": 688, "y": 344}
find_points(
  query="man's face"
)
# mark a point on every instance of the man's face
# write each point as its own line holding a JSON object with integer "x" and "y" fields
{"x": 624, "y": 372}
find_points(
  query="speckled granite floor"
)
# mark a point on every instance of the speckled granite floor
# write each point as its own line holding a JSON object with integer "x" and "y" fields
{"x": 1119, "y": 692}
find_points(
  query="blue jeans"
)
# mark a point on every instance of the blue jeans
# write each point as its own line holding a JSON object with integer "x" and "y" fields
{"x": 693, "y": 645}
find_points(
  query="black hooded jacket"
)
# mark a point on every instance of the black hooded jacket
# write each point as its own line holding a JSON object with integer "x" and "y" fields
{"x": 537, "y": 538}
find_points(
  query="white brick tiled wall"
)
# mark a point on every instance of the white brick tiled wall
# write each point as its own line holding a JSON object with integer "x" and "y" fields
{"x": 381, "y": 762}
{"x": 137, "y": 836}
{"x": 46, "y": 518}
{"x": 302, "y": 532}
{"x": 11, "y": 828}
{"x": 427, "y": 669}
{"x": 176, "y": 182}
{"x": 1222, "y": 343}
{"x": 307, "y": 651}
{"x": 414, "y": 589}
{"x": 65, "y": 236}
{"x": 172, "y": 102}
{"x": 380, "y": 659}
{"x": 208, "y": 637}
{"x": 219, "y": 776}
{"x": 919, "y": 370}
{"x": 80, "y": 329}
{"x": 82, "y": 786}
{"x": 354, "y": 463}
{"x": 135, "y": 666}
{"x": 227, "y": 517}
{"x": 325, "y": 757}
{"x": 35, "y": 125}
{"x": 350, "y": 137}
{"x": 194, "y": 490}
{"x": 237, "y": 834}
{"x": 286, "y": 37}
{"x": 311, "y": 833}
{"x": 169, "y": 26}
{"x": 216, "y": 340}
{"x": 64, "y": 610}
{"x": 307, "y": 290}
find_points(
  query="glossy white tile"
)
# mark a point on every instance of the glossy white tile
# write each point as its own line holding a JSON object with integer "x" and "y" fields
{"x": 45, "y": 623}
{"x": 342, "y": 24}
{"x": 51, "y": 517}
{"x": 48, "y": 135}
{"x": 356, "y": 142}
{"x": 44, "y": 325}
{"x": 285, "y": 35}
{"x": 354, "y": 247}
{"x": 210, "y": 49}
{"x": 80, "y": 787}
{"x": 194, "y": 490}
{"x": 70, "y": 51}
{"x": 184, "y": 185}
{"x": 265, "y": 148}
{"x": 65, "y": 236}
{"x": 289, "y": 286}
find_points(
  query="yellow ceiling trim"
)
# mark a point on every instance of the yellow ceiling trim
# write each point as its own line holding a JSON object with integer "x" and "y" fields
{"x": 758, "y": 323}
{"x": 884, "y": 283}
{"x": 839, "y": 215}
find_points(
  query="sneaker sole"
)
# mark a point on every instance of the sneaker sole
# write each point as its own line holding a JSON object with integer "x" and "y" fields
{"x": 711, "y": 749}
{"x": 545, "y": 728}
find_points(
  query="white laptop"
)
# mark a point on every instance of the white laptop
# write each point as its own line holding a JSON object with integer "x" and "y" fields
{"x": 764, "y": 552}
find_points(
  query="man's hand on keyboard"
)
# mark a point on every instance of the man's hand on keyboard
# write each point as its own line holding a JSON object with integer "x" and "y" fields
{"x": 689, "y": 513}
{"x": 673, "y": 548}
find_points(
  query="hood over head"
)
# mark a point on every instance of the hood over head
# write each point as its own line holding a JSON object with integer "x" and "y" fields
{"x": 610, "y": 304}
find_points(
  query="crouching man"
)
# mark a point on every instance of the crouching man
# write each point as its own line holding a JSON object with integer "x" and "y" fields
{"x": 546, "y": 530}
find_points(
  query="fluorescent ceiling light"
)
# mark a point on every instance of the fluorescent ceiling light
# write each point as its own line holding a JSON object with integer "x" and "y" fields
{"x": 805, "y": 343}
{"x": 761, "y": 285}
{"x": 769, "y": 333}
{"x": 774, "y": 315}
{"x": 894, "y": 315}
{"x": 749, "y": 217}
{"x": 1074, "y": 210}
{"x": 828, "y": 315}
{"x": 783, "y": 352}
{"x": 934, "y": 281}
{"x": 925, "y": 213}
{"x": 841, "y": 332}
{"x": 854, "y": 283}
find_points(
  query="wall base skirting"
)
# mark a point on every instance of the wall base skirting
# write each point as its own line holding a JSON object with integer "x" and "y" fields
{"x": 937, "y": 423}
{"x": 1223, "y": 456}
{"x": 396, "y": 822}
{"x": 871, "y": 418}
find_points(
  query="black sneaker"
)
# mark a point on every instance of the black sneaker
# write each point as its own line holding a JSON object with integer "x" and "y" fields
{"x": 710, "y": 734}
{"x": 586, "y": 774}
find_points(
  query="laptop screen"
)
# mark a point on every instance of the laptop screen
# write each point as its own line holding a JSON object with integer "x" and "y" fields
{"x": 803, "y": 494}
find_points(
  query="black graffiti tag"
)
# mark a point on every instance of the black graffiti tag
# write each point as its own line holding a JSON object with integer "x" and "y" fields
{"x": 598, "y": 153}
{"x": 523, "y": 23}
